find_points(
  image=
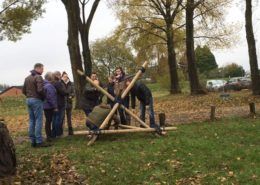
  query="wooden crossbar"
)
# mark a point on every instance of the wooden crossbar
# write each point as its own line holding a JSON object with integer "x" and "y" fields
{"x": 124, "y": 131}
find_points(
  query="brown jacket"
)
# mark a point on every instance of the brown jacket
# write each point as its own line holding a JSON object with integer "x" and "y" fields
{"x": 33, "y": 86}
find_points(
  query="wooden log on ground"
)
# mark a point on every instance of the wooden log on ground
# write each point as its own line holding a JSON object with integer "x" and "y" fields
{"x": 252, "y": 108}
{"x": 212, "y": 113}
{"x": 138, "y": 130}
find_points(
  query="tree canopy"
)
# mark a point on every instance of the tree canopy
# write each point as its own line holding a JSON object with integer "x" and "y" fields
{"x": 205, "y": 59}
{"x": 109, "y": 53}
{"x": 16, "y": 17}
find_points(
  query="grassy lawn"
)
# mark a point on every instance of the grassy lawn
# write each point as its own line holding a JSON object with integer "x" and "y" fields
{"x": 223, "y": 152}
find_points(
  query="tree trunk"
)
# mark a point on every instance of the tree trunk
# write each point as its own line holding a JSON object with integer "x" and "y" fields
{"x": 174, "y": 80}
{"x": 195, "y": 86}
{"x": 86, "y": 51}
{"x": 73, "y": 12}
{"x": 252, "y": 49}
{"x": 84, "y": 33}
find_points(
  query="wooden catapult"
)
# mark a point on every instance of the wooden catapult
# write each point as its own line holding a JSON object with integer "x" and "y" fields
{"x": 117, "y": 105}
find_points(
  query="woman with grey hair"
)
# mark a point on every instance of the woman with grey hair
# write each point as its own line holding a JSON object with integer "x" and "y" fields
{"x": 50, "y": 104}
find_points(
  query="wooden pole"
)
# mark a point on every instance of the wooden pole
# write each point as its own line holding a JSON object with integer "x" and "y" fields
{"x": 137, "y": 130}
{"x": 116, "y": 106}
{"x": 136, "y": 118}
{"x": 113, "y": 99}
{"x": 138, "y": 74}
{"x": 128, "y": 126}
{"x": 212, "y": 113}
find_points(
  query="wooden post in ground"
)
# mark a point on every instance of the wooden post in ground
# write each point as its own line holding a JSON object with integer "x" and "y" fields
{"x": 212, "y": 113}
{"x": 252, "y": 109}
{"x": 162, "y": 119}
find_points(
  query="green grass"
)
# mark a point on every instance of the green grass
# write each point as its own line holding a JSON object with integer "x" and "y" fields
{"x": 158, "y": 90}
{"x": 222, "y": 152}
{"x": 10, "y": 106}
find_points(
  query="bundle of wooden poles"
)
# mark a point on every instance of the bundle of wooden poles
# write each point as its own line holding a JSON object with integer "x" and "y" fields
{"x": 126, "y": 128}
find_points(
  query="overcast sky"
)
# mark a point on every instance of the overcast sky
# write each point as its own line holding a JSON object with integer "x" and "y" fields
{"x": 47, "y": 43}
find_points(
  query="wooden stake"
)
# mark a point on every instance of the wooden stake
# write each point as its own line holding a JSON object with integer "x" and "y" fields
{"x": 212, "y": 113}
{"x": 124, "y": 131}
{"x": 162, "y": 119}
{"x": 252, "y": 108}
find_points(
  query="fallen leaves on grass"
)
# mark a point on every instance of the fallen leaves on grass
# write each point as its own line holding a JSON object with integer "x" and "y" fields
{"x": 194, "y": 180}
{"x": 53, "y": 169}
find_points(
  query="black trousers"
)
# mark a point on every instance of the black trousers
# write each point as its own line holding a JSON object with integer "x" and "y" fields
{"x": 49, "y": 119}
{"x": 69, "y": 115}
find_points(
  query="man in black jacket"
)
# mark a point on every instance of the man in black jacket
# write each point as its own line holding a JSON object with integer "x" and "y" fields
{"x": 144, "y": 95}
{"x": 68, "y": 85}
{"x": 91, "y": 96}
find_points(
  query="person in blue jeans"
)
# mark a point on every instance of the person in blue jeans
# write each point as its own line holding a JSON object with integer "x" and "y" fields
{"x": 34, "y": 92}
{"x": 144, "y": 95}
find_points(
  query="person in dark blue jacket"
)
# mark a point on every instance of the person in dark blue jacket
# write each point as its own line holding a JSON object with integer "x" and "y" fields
{"x": 144, "y": 95}
{"x": 50, "y": 104}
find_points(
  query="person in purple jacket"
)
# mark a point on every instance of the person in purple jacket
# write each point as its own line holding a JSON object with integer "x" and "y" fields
{"x": 50, "y": 105}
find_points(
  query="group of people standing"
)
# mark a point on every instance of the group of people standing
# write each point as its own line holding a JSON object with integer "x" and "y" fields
{"x": 52, "y": 95}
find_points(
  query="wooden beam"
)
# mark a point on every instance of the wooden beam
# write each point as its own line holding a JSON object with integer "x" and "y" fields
{"x": 116, "y": 106}
{"x": 137, "y": 130}
{"x": 103, "y": 91}
{"x": 128, "y": 126}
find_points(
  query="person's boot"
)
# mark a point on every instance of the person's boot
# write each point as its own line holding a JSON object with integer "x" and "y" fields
{"x": 33, "y": 145}
{"x": 43, "y": 144}
{"x": 49, "y": 139}
{"x": 70, "y": 131}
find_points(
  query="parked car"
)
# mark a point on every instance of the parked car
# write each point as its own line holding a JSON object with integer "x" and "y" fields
{"x": 215, "y": 85}
{"x": 246, "y": 83}
{"x": 238, "y": 83}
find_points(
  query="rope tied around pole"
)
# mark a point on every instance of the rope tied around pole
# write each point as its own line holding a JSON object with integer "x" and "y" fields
{"x": 142, "y": 69}
{"x": 119, "y": 100}
{"x": 95, "y": 132}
